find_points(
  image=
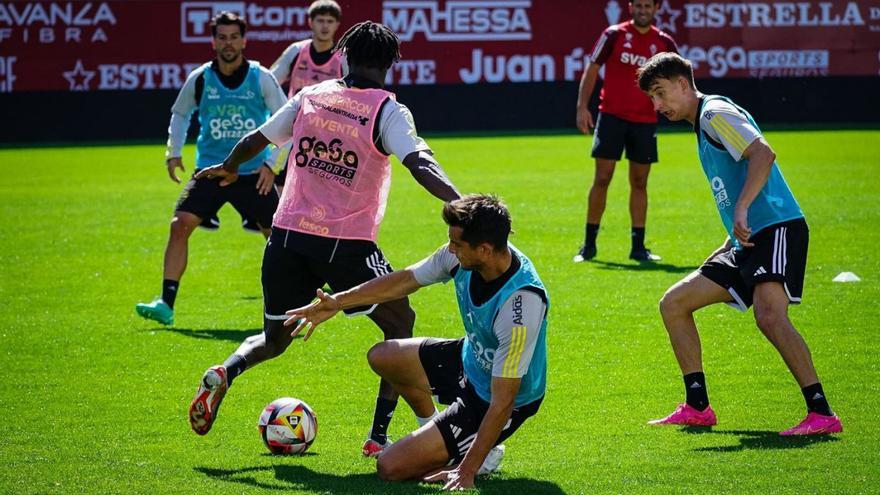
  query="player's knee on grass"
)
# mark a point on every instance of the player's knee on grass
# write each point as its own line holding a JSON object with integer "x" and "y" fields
{"x": 386, "y": 469}
{"x": 392, "y": 466}
{"x": 414, "y": 455}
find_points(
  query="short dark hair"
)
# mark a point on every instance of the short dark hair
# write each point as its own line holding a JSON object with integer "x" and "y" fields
{"x": 481, "y": 217}
{"x": 370, "y": 44}
{"x": 227, "y": 18}
{"x": 325, "y": 7}
{"x": 666, "y": 65}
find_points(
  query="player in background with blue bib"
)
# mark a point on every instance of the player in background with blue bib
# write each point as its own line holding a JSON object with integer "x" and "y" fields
{"x": 763, "y": 260}
{"x": 494, "y": 378}
{"x": 234, "y": 96}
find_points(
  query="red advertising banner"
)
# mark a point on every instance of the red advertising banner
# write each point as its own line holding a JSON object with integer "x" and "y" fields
{"x": 127, "y": 45}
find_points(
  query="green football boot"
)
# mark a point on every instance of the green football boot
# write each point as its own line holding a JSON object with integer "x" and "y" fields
{"x": 157, "y": 310}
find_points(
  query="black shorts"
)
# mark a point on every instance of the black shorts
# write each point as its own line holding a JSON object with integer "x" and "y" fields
{"x": 779, "y": 255}
{"x": 458, "y": 423}
{"x": 205, "y": 197}
{"x": 213, "y": 223}
{"x": 613, "y": 134}
{"x": 295, "y": 265}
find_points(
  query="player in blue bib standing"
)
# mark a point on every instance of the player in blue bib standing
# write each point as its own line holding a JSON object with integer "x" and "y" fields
{"x": 494, "y": 377}
{"x": 762, "y": 262}
{"x": 233, "y": 96}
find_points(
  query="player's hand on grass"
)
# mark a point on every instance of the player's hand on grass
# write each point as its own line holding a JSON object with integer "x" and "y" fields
{"x": 741, "y": 229}
{"x": 453, "y": 480}
{"x": 319, "y": 311}
{"x": 265, "y": 180}
{"x": 174, "y": 163}
{"x": 217, "y": 171}
{"x": 585, "y": 120}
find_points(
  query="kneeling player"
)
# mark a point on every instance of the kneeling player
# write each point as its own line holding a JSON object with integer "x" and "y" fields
{"x": 494, "y": 378}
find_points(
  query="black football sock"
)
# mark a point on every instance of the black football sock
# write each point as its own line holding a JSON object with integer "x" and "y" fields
{"x": 382, "y": 418}
{"x": 590, "y": 234}
{"x": 235, "y": 365}
{"x": 816, "y": 400}
{"x": 169, "y": 291}
{"x": 695, "y": 390}
{"x": 638, "y": 238}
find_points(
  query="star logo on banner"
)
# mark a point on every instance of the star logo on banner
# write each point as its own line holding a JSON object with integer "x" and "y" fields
{"x": 79, "y": 77}
{"x": 669, "y": 14}
{"x": 612, "y": 12}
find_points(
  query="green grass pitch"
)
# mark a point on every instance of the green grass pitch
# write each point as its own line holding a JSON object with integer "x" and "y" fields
{"x": 94, "y": 399}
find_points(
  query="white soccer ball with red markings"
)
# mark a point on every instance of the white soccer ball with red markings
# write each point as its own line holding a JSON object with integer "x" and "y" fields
{"x": 288, "y": 426}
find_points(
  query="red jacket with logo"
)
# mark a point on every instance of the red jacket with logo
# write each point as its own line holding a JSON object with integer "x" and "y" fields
{"x": 622, "y": 49}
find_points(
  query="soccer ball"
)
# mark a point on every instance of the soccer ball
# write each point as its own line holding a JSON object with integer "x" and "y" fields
{"x": 288, "y": 426}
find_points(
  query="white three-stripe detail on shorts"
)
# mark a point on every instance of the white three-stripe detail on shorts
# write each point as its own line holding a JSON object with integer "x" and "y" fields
{"x": 467, "y": 439}
{"x": 784, "y": 249}
{"x": 775, "y": 249}
{"x": 779, "y": 246}
{"x": 376, "y": 264}
{"x": 465, "y": 444}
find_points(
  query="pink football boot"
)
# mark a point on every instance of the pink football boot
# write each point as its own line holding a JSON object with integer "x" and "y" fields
{"x": 686, "y": 415}
{"x": 815, "y": 424}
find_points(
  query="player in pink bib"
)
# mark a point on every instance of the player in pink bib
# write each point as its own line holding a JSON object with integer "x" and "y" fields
{"x": 313, "y": 60}
{"x": 342, "y": 183}
{"x": 324, "y": 230}
{"x": 307, "y": 71}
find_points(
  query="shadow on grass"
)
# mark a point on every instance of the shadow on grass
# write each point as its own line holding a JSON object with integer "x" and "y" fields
{"x": 758, "y": 440}
{"x": 302, "y": 478}
{"x": 643, "y": 267}
{"x": 232, "y": 335}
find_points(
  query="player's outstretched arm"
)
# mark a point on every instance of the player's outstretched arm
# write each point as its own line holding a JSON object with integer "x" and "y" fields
{"x": 390, "y": 287}
{"x": 245, "y": 149}
{"x": 427, "y": 172}
{"x": 504, "y": 392}
{"x": 320, "y": 310}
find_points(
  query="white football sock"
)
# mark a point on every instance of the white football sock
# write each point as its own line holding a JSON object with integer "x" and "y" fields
{"x": 424, "y": 421}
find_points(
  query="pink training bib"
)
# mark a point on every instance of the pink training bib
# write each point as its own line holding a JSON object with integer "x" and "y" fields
{"x": 305, "y": 72}
{"x": 337, "y": 180}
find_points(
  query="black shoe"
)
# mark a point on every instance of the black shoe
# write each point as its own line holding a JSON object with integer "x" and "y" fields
{"x": 643, "y": 254}
{"x": 586, "y": 253}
